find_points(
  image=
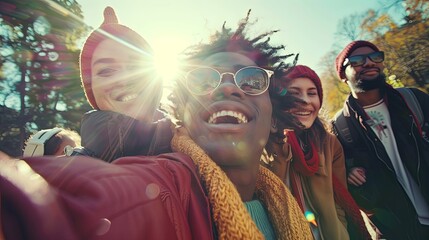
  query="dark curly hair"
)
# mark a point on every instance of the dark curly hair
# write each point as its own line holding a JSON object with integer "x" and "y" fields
{"x": 258, "y": 49}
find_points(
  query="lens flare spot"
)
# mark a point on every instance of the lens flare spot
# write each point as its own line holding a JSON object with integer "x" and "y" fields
{"x": 53, "y": 56}
{"x": 242, "y": 146}
{"x": 103, "y": 226}
{"x": 262, "y": 142}
{"x": 310, "y": 217}
{"x": 152, "y": 191}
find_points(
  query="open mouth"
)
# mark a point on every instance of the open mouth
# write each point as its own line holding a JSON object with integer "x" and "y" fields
{"x": 302, "y": 113}
{"x": 123, "y": 96}
{"x": 126, "y": 98}
{"x": 229, "y": 117}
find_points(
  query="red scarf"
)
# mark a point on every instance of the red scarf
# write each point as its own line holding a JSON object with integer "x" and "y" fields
{"x": 308, "y": 166}
{"x": 303, "y": 165}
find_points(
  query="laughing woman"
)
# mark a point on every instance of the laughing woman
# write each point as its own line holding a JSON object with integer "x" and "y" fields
{"x": 309, "y": 159}
{"x": 124, "y": 90}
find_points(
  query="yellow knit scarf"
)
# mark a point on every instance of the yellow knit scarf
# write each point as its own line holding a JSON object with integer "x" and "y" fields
{"x": 230, "y": 216}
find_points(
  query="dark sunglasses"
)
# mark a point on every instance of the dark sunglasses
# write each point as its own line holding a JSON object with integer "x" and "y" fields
{"x": 359, "y": 60}
{"x": 251, "y": 80}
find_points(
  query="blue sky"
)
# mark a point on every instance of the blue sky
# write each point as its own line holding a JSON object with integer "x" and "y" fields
{"x": 306, "y": 26}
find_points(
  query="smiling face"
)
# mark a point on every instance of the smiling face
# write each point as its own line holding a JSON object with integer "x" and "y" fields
{"x": 123, "y": 81}
{"x": 231, "y": 126}
{"x": 367, "y": 76}
{"x": 304, "y": 89}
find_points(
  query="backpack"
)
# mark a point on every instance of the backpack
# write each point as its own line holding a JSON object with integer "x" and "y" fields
{"x": 343, "y": 132}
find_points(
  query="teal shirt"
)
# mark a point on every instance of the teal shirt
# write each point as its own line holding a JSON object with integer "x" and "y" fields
{"x": 260, "y": 217}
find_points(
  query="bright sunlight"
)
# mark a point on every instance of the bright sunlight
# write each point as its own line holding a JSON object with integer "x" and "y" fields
{"x": 167, "y": 63}
{"x": 166, "y": 57}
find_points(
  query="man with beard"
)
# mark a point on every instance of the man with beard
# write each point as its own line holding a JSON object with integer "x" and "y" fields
{"x": 388, "y": 161}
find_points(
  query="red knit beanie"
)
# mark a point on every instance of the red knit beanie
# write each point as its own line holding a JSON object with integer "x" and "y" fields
{"x": 346, "y": 52}
{"x": 301, "y": 71}
{"x": 108, "y": 29}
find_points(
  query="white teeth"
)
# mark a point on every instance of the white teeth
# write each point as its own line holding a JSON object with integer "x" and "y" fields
{"x": 124, "y": 94}
{"x": 302, "y": 113}
{"x": 239, "y": 116}
{"x": 127, "y": 98}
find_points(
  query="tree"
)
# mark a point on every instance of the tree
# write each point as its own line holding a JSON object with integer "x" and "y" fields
{"x": 335, "y": 91}
{"x": 39, "y": 65}
{"x": 407, "y": 52}
{"x": 416, "y": 10}
{"x": 348, "y": 28}
{"x": 9, "y": 131}
{"x": 406, "y": 46}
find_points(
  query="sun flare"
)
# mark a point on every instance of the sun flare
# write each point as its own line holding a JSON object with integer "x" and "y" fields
{"x": 167, "y": 64}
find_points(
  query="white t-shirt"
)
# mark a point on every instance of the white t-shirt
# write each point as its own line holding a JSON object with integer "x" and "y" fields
{"x": 382, "y": 127}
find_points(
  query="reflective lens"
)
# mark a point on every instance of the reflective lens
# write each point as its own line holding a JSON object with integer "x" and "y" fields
{"x": 359, "y": 60}
{"x": 251, "y": 80}
{"x": 202, "y": 81}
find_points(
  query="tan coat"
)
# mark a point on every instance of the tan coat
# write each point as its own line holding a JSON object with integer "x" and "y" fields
{"x": 318, "y": 189}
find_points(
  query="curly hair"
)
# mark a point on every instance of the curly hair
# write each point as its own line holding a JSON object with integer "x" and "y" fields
{"x": 259, "y": 49}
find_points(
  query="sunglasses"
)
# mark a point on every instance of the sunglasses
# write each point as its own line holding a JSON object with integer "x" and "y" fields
{"x": 359, "y": 60}
{"x": 250, "y": 80}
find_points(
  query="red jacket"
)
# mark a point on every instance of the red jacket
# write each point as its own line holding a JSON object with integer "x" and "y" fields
{"x": 133, "y": 198}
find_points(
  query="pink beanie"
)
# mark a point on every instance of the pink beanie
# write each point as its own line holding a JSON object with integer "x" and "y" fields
{"x": 301, "y": 71}
{"x": 109, "y": 26}
{"x": 346, "y": 52}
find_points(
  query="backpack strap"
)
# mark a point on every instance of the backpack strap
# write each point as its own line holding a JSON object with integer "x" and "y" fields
{"x": 340, "y": 127}
{"x": 412, "y": 103}
{"x": 342, "y": 130}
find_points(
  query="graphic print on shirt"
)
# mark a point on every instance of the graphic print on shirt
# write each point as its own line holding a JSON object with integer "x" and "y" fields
{"x": 379, "y": 123}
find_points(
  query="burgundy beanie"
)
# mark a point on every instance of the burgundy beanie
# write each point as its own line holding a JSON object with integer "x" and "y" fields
{"x": 346, "y": 52}
{"x": 301, "y": 71}
{"x": 108, "y": 29}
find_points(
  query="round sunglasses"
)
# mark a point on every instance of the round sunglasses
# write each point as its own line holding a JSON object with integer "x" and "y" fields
{"x": 251, "y": 80}
{"x": 359, "y": 60}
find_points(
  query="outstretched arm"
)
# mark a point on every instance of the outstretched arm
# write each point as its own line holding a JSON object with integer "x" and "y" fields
{"x": 82, "y": 198}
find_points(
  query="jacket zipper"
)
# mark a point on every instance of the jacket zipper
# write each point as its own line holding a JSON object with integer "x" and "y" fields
{"x": 376, "y": 152}
{"x": 413, "y": 124}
